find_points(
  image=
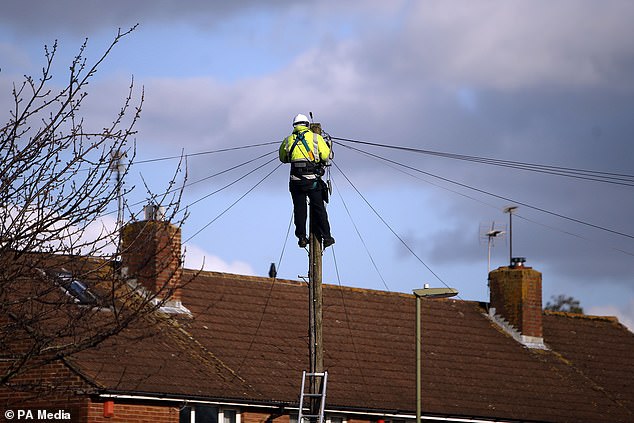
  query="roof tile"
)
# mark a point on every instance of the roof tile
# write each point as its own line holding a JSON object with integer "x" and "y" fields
{"x": 248, "y": 338}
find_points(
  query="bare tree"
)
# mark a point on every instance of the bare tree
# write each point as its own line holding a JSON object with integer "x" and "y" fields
{"x": 60, "y": 287}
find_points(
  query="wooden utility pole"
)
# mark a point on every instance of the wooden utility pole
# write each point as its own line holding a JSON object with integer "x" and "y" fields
{"x": 315, "y": 305}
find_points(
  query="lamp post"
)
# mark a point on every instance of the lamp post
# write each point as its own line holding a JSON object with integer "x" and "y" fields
{"x": 425, "y": 292}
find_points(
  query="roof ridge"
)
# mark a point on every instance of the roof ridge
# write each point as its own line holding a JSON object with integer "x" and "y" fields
{"x": 226, "y": 275}
{"x": 255, "y": 278}
{"x": 612, "y": 319}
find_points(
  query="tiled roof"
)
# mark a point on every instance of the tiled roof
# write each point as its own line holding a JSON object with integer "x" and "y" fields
{"x": 601, "y": 349}
{"x": 155, "y": 355}
{"x": 248, "y": 339}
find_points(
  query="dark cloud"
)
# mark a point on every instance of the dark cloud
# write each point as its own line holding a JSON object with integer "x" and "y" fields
{"x": 81, "y": 17}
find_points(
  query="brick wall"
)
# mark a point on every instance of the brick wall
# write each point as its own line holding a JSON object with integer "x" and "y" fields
{"x": 151, "y": 250}
{"x": 254, "y": 417}
{"x": 49, "y": 382}
{"x": 51, "y": 387}
{"x": 251, "y": 417}
{"x": 83, "y": 410}
{"x": 132, "y": 413}
{"x": 516, "y": 295}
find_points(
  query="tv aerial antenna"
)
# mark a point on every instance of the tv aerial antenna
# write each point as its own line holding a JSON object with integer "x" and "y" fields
{"x": 118, "y": 168}
{"x": 490, "y": 233}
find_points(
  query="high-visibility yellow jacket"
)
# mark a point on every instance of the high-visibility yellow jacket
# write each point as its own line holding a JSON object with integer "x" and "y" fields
{"x": 301, "y": 152}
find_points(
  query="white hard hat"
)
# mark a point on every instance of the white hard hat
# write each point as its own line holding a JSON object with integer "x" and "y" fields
{"x": 300, "y": 119}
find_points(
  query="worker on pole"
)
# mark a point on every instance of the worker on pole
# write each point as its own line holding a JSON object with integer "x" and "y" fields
{"x": 307, "y": 153}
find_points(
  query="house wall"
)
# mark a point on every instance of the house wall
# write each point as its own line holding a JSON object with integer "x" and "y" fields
{"x": 252, "y": 417}
{"x": 55, "y": 387}
{"x": 132, "y": 413}
{"x": 82, "y": 409}
{"x": 249, "y": 417}
{"x": 50, "y": 386}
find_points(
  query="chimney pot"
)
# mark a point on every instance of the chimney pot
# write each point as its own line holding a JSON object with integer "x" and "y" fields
{"x": 154, "y": 212}
{"x": 518, "y": 262}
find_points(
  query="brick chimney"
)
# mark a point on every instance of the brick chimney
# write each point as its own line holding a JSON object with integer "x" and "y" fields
{"x": 151, "y": 252}
{"x": 516, "y": 301}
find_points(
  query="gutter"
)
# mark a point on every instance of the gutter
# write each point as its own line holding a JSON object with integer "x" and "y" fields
{"x": 229, "y": 403}
{"x": 284, "y": 406}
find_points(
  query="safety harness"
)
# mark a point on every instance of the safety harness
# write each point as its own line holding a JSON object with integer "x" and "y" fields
{"x": 309, "y": 168}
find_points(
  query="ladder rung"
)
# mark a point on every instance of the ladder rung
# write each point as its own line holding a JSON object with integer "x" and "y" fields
{"x": 305, "y": 395}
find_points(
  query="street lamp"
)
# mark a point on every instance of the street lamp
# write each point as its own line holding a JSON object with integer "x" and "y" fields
{"x": 430, "y": 293}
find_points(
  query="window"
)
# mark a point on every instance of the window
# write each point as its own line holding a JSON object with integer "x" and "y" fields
{"x": 328, "y": 419}
{"x": 229, "y": 416}
{"x": 208, "y": 414}
{"x": 205, "y": 414}
{"x": 185, "y": 415}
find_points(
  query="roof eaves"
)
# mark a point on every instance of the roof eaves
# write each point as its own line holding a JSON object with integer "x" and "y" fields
{"x": 286, "y": 406}
{"x": 83, "y": 376}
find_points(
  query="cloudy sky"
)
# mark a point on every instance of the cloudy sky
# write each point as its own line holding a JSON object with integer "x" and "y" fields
{"x": 540, "y": 82}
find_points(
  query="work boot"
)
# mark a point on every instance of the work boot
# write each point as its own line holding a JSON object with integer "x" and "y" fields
{"x": 303, "y": 242}
{"x": 328, "y": 242}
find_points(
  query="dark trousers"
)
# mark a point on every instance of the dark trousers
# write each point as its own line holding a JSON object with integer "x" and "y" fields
{"x": 313, "y": 189}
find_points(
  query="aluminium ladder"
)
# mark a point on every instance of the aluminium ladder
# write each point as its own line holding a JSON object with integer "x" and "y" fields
{"x": 321, "y": 396}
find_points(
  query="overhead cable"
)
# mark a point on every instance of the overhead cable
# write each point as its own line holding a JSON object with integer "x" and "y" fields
{"x": 203, "y": 179}
{"x": 234, "y": 203}
{"x": 398, "y": 169}
{"x": 348, "y": 321}
{"x": 201, "y": 153}
{"x": 266, "y": 303}
{"x": 288, "y": 231}
{"x": 230, "y": 183}
{"x": 591, "y": 175}
{"x": 629, "y": 253}
{"x": 389, "y": 227}
{"x": 367, "y": 250}
{"x": 572, "y": 219}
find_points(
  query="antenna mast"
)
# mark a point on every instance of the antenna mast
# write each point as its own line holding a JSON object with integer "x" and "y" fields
{"x": 491, "y": 234}
{"x": 116, "y": 165}
{"x": 510, "y": 210}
